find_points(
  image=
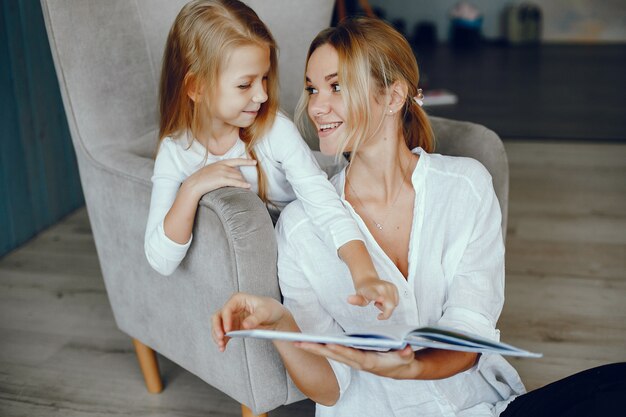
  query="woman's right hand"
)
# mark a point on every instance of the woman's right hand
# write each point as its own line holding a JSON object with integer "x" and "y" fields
{"x": 244, "y": 312}
{"x": 220, "y": 174}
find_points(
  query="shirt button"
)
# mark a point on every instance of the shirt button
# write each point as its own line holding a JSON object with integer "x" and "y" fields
{"x": 406, "y": 293}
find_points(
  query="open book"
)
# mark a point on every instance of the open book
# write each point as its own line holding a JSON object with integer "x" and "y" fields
{"x": 391, "y": 337}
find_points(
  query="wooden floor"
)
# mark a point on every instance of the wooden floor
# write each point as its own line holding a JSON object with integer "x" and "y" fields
{"x": 61, "y": 354}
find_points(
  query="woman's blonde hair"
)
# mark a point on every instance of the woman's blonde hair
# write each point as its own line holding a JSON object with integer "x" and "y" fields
{"x": 372, "y": 56}
{"x": 203, "y": 35}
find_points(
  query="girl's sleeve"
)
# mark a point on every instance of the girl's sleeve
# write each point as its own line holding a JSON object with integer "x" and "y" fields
{"x": 163, "y": 254}
{"x": 296, "y": 251}
{"x": 476, "y": 293}
{"x": 310, "y": 184}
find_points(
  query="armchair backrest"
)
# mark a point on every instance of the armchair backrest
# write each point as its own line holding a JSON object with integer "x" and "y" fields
{"x": 109, "y": 58}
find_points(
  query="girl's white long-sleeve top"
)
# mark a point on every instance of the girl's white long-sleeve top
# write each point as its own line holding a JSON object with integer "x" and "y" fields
{"x": 291, "y": 171}
{"x": 455, "y": 279}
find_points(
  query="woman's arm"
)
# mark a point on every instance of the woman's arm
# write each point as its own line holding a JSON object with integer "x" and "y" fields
{"x": 476, "y": 291}
{"x": 401, "y": 364}
{"x": 311, "y": 373}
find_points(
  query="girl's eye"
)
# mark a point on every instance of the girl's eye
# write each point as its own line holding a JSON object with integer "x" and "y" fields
{"x": 336, "y": 88}
{"x": 243, "y": 86}
{"x": 310, "y": 90}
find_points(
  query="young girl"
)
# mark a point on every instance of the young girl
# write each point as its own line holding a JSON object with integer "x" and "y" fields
{"x": 220, "y": 126}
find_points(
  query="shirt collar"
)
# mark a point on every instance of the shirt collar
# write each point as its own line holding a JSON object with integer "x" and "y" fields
{"x": 339, "y": 180}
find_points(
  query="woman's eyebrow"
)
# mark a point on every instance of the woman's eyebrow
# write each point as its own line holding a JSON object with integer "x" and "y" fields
{"x": 327, "y": 78}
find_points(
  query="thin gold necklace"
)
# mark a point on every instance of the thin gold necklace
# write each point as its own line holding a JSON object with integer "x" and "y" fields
{"x": 380, "y": 225}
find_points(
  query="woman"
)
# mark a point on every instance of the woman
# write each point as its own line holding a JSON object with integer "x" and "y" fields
{"x": 432, "y": 225}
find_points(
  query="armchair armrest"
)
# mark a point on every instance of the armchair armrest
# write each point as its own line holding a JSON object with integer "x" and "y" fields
{"x": 234, "y": 249}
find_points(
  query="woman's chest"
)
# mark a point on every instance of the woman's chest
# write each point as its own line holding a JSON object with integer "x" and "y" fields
{"x": 393, "y": 237}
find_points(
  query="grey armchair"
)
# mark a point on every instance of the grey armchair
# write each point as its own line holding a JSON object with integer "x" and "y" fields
{"x": 107, "y": 57}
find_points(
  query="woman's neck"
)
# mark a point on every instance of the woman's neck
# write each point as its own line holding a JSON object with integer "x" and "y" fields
{"x": 380, "y": 167}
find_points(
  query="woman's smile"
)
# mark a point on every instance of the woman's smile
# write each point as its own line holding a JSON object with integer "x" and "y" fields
{"x": 326, "y": 129}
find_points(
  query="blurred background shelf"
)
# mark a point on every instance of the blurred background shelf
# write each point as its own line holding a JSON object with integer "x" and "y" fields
{"x": 547, "y": 91}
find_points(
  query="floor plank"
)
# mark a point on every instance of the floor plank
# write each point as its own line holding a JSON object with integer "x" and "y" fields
{"x": 62, "y": 355}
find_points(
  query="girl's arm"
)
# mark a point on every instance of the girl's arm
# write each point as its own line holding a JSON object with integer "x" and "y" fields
{"x": 163, "y": 253}
{"x": 174, "y": 203}
{"x": 369, "y": 287}
{"x": 323, "y": 205}
{"x": 180, "y": 218}
{"x": 311, "y": 373}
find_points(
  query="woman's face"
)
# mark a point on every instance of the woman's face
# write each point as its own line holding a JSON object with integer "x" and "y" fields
{"x": 326, "y": 108}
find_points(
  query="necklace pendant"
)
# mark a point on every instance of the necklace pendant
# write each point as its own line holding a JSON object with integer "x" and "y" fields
{"x": 379, "y": 226}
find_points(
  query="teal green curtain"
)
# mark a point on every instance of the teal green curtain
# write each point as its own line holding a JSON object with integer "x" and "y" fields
{"x": 39, "y": 182}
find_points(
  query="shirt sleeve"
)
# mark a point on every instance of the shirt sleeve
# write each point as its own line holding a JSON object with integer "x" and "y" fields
{"x": 476, "y": 293}
{"x": 298, "y": 295}
{"x": 163, "y": 254}
{"x": 310, "y": 184}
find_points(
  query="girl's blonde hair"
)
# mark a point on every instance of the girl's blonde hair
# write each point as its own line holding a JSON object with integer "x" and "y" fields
{"x": 203, "y": 35}
{"x": 372, "y": 56}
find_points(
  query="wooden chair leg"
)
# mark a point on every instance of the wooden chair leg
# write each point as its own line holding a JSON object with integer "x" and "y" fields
{"x": 149, "y": 367}
{"x": 246, "y": 412}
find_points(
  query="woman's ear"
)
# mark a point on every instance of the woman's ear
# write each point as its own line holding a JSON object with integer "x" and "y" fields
{"x": 398, "y": 92}
{"x": 194, "y": 87}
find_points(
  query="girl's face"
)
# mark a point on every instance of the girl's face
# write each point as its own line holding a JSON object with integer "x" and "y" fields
{"x": 241, "y": 88}
{"x": 326, "y": 108}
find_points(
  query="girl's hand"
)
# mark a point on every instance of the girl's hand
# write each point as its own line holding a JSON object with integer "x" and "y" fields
{"x": 217, "y": 175}
{"x": 384, "y": 294}
{"x": 244, "y": 312}
{"x": 398, "y": 364}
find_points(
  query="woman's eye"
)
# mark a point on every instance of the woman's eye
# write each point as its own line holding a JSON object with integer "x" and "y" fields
{"x": 336, "y": 88}
{"x": 243, "y": 86}
{"x": 310, "y": 90}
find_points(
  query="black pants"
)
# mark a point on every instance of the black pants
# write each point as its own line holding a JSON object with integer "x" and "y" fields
{"x": 595, "y": 392}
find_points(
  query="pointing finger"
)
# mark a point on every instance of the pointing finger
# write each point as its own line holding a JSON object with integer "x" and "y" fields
{"x": 358, "y": 300}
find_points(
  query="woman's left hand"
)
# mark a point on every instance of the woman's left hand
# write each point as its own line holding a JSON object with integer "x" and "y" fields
{"x": 398, "y": 364}
{"x": 246, "y": 311}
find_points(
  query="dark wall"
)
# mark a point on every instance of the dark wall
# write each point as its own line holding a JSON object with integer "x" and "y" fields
{"x": 39, "y": 181}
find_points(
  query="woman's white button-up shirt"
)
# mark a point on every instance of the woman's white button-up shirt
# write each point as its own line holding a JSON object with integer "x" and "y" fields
{"x": 455, "y": 279}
